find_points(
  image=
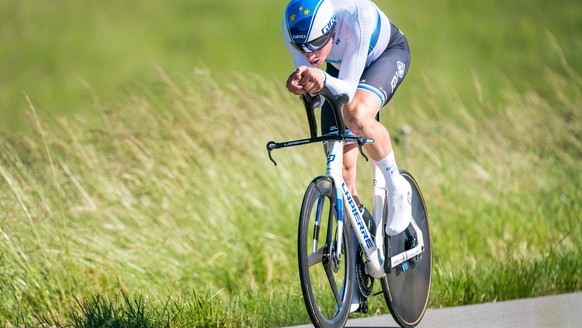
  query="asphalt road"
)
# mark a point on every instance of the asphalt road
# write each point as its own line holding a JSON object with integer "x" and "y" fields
{"x": 557, "y": 311}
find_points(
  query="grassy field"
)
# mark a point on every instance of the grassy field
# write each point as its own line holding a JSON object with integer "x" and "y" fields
{"x": 135, "y": 189}
{"x": 61, "y": 53}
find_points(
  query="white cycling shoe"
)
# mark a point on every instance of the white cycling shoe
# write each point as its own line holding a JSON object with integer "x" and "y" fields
{"x": 399, "y": 210}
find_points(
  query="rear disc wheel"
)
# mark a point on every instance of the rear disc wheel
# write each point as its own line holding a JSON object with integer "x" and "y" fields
{"x": 406, "y": 288}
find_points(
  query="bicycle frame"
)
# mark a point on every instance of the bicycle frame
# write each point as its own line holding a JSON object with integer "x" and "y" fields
{"x": 375, "y": 263}
{"x": 373, "y": 249}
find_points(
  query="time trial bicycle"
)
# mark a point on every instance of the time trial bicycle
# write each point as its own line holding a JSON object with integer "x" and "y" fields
{"x": 341, "y": 244}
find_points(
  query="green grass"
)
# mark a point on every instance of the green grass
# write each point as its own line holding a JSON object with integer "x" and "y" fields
{"x": 135, "y": 188}
{"x": 62, "y": 52}
{"x": 145, "y": 191}
{"x": 168, "y": 199}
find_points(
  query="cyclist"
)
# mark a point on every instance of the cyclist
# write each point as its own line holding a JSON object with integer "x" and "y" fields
{"x": 367, "y": 58}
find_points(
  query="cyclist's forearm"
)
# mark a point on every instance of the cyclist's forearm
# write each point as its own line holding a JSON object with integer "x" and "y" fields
{"x": 338, "y": 86}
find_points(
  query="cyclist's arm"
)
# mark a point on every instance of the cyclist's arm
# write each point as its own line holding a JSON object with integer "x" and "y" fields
{"x": 357, "y": 37}
{"x": 344, "y": 84}
{"x": 337, "y": 86}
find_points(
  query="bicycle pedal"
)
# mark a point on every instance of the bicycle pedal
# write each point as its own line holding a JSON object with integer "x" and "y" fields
{"x": 364, "y": 306}
{"x": 404, "y": 266}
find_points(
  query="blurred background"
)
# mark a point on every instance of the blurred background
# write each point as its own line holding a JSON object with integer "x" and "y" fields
{"x": 141, "y": 184}
{"x": 59, "y": 52}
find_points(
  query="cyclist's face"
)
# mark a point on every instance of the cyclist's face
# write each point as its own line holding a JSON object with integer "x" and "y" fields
{"x": 317, "y": 57}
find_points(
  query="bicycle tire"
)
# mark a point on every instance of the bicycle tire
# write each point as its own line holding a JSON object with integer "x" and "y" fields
{"x": 326, "y": 283}
{"x": 406, "y": 291}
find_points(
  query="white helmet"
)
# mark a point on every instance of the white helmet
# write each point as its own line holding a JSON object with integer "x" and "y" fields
{"x": 310, "y": 23}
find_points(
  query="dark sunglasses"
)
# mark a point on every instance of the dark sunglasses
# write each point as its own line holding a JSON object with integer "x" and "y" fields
{"x": 316, "y": 44}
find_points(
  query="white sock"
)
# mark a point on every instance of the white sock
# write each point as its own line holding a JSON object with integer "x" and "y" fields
{"x": 390, "y": 170}
{"x": 397, "y": 220}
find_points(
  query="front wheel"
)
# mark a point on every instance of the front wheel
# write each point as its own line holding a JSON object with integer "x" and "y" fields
{"x": 406, "y": 287}
{"x": 326, "y": 279}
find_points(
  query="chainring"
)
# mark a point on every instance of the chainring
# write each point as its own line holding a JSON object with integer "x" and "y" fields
{"x": 365, "y": 282}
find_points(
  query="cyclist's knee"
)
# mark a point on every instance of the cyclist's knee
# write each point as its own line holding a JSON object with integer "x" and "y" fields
{"x": 360, "y": 114}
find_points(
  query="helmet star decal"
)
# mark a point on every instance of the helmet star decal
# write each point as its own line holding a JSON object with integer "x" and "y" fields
{"x": 305, "y": 12}
{"x": 293, "y": 16}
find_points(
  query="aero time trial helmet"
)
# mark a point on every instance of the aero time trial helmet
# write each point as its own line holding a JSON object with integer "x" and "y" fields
{"x": 310, "y": 23}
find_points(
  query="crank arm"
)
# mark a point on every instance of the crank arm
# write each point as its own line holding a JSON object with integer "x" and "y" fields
{"x": 400, "y": 258}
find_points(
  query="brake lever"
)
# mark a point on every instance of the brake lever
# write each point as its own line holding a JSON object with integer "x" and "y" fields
{"x": 361, "y": 142}
{"x": 270, "y": 146}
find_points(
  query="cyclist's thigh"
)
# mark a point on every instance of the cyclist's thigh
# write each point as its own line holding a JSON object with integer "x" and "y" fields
{"x": 385, "y": 74}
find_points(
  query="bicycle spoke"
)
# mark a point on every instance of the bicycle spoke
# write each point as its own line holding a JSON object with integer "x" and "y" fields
{"x": 332, "y": 283}
{"x": 315, "y": 257}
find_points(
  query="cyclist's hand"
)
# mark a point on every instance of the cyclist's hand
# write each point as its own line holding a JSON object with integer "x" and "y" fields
{"x": 293, "y": 83}
{"x": 305, "y": 79}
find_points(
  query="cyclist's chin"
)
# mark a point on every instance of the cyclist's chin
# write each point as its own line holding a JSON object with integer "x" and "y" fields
{"x": 316, "y": 62}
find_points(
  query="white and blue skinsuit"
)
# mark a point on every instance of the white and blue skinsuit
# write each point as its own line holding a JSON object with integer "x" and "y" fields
{"x": 369, "y": 52}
